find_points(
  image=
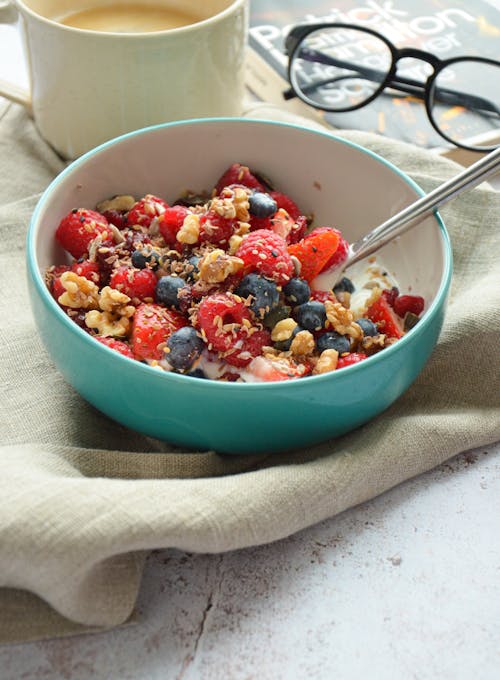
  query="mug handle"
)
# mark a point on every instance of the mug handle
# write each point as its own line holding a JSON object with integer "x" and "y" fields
{"x": 8, "y": 15}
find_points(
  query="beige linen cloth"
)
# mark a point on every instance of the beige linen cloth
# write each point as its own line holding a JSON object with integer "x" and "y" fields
{"x": 83, "y": 499}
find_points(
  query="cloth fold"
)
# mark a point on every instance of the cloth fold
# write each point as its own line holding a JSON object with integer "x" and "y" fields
{"x": 83, "y": 500}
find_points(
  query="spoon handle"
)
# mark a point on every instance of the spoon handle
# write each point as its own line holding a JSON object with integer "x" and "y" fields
{"x": 417, "y": 211}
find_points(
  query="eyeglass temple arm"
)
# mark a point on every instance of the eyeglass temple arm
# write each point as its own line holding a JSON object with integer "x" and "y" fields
{"x": 404, "y": 84}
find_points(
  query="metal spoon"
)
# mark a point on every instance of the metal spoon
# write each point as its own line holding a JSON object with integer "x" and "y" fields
{"x": 410, "y": 216}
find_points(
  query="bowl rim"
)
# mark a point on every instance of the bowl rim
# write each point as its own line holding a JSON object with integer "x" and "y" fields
{"x": 33, "y": 269}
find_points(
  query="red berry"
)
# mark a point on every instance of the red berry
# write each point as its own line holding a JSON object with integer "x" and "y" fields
{"x": 238, "y": 174}
{"x": 216, "y": 229}
{"x": 390, "y": 295}
{"x": 323, "y": 296}
{"x": 171, "y": 221}
{"x": 409, "y": 303}
{"x": 266, "y": 253}
{"x": 381, "y": 314}
{"x": 79, "y": 228}
{"x": 220, "y": 318}
{"x": 314, "y": 251}
{"x": 350, "y": 359}
{"x": 151, "y": 328}
{"x": 136, "y": 283}
{"x": 273, "y": 370}
{"x": 248, "y": 347}
{"x": 286, "y": 203}
{"x": 88, "y": 269}
{"x": 116, "y": 217}
{"x": 144, "y": 211}
{"x": 117, "y": 345}
{"x": 340, "y": 254}
{"x": 298, "y": 230}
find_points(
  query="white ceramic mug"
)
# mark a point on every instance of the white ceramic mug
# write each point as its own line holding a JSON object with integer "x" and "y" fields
{"x": 88, "y": 86}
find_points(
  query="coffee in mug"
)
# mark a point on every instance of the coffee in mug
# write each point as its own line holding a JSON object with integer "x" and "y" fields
{"x": 101, "y": 69}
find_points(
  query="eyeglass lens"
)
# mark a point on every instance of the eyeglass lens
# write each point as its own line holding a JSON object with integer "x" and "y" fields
{"x": 341, "y": 69}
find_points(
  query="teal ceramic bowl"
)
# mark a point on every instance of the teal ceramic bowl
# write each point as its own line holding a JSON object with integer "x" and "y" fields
{"x": 344, "y": 185}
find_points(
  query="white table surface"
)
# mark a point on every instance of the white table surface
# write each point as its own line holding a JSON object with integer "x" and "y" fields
{"x": 406, "y": 586}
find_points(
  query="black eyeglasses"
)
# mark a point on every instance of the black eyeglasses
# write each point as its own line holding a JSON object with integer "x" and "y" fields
{"x": 343, "y": 67}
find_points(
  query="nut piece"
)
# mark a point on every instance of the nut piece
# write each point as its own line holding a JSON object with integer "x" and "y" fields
{"x": 80, "y": 293}
{"x": 217, "y": 265}
{"x": 283, "y": 330}
{"x": 327, "y": 361}
{"x": 303, "y": 343}
{"x": 224, "y": 207}
{"x": 112, "y": 300}
{"x": 122, "y": 203}
{"x": 342, "y": 320}
{"x": 107, "y": 323}
{"x": 190, "y": 230}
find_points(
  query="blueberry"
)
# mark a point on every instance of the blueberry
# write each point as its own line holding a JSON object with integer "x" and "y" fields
{"x": 284, "y": 345}
{"x": 264, "y": 292}
{"x": 194, "y": 261}
{"x": 367, "y": 326}
{"x": 184, "y": 347}
{"x": 197, "y": 373}
{"x": 333, "y": 340}
{"x": 167, "y": 290}
{"x": 311, "y": 315}
{"x": 345, "y": 285}
{"x": 262, "y": 205}
{"x": 142, "y": 258}
{"x": 297, "y": 291}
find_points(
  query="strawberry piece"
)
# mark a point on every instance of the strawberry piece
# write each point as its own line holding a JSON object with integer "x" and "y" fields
{"x": 274, "y": 370}
{"x": 238, "y": 174}
{"x": 220, "y": 318}
{"x": 350, "y": 359}
{"x": 251, "y": 347}
{"x": 117, "y": 345}
{"x": 314, "y": 251}
{"x": 145, "y": 210}
{"x": 151, "y": 328}
{"x": 409, "y": 303}
{"x": 79, "y": 228}
{"x": 382, "y": 315}
{"x": 266, "y": 253}
{"x": 136, "y": 283}
{"x": 286, "y": 203}
{"x": 340, "y": 254}
{"x": 90, "y": 270}
{"x": 171, "y": 221}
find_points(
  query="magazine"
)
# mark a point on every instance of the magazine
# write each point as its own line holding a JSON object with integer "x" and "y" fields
{"x": 447, "y": 28}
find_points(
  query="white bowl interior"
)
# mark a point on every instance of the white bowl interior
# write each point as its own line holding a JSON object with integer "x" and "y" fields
{"x": 342, "y": 185}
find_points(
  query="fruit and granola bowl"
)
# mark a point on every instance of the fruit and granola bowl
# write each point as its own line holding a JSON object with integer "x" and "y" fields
{"x": 175, "y": 279}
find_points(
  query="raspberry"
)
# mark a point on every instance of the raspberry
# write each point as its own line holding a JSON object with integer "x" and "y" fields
{"x": 383, "y": 316}
{"x": 79, "y": 228}
{"x": 136, "y": 283}
{"x": 323, "y": 296}
{"x": 249, "y": 347}
{"x": 238, "y": 174}
{"x": 286, "y": 203}
{"x": 408, "y": 303}
{"x": 151, "y": 328}
{"x": 390, "y": 295}
{"x": 171, "y": 221}
{"x": 340, "y": 254}
{"x": 350, "y": 359}
{"x": 216, "y": 229}
{"x": 314, "y": 251}
{"x": 88, "y": 269}
{"x": 266, "y": 253}
{"x": 117, "y": 345}
{"x": 299, "y": 229}
{"x": 220, "y": 318}
{"x": 144, "y": 211}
